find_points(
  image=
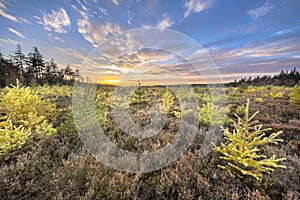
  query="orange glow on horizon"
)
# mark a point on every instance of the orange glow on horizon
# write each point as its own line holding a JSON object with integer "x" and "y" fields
{"x": 109, "y": 82}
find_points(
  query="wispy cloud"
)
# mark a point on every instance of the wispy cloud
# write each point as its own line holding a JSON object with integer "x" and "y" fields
{"x": 6, "y": 15}
{"x": 267, "y": 56}
{"x": 37, "y": 18}
{"x": 195, "y": 6}
{"x": 103, "y": 11}
{"x": 112, "y": 69}
{"x": 165, "y": 22}
{"x": 264, "y": 63}
{"x": 116, "y": 2}
{"x": 8, "y": 41}
{"x": 24, "y": 20}
{"x": 285, "y": 31}
{"x": 96, "y": 33}
{"x": 65, "y": 56}
{"x": 59, "y": 39}
{"x": 56, "y": 21}
{"x": 83, "y": 13}
{"x": 71, "y": 52}
{"x": 2, "y": 5}
{"x": 51, "y": 38}
{"x": 82, "y": 5}
{"x": 272, "y": 48}
{"x": 296, "y": 56}
{"x": 148, "y": 64}
{"x": 130, "y": 16}
{"x": 260, "y": 11}
{"x": 16, "y": 32}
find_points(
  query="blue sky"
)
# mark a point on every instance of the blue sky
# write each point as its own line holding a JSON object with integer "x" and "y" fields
{"x": 244, "y": 38}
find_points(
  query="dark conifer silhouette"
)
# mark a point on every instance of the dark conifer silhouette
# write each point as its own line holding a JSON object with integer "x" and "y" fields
{"x": 284, "y": 78}
{"x": 33, "y": 69}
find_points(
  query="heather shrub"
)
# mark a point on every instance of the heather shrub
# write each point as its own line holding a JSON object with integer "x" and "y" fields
{"x": 27, "y": 172}
{"x": 59, "y": 167}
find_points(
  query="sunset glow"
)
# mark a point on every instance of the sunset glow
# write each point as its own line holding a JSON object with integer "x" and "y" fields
{"x": 243, "y": 38}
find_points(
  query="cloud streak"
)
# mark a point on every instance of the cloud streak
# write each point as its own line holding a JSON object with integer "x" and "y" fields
{"x": 270, "y": 56}
{"x": 103, "y": 11}
{"x": 4, "y": 42}
{"x": 116, "y": 2}
{"x": 24, "y": 20}
{"x": 6, "y": 15}
{"x": 17, "y": 33}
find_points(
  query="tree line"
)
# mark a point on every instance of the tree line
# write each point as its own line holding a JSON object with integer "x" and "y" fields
{"x": 33, "y": 69}
{"x": 284, "y": 78}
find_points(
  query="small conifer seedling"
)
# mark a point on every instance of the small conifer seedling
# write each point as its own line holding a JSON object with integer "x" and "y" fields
{"x": 211, "y": 113}
{"x": 11, "y": 136}
{"x": 295, "y": 94}
{"x": 167, "y": 102}
{"x": 139, "y": 96}
{"x": 241, "y": 150}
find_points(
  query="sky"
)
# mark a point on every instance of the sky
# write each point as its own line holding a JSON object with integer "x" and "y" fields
{"x": 241, "y": 38}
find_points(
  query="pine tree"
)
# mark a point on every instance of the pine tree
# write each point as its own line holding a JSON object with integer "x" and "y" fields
{"x": 35, "y": 66}
{"x": 8, "y": 72}
{"x": 51, "y": 72}
{"x": 19, "y": 59}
